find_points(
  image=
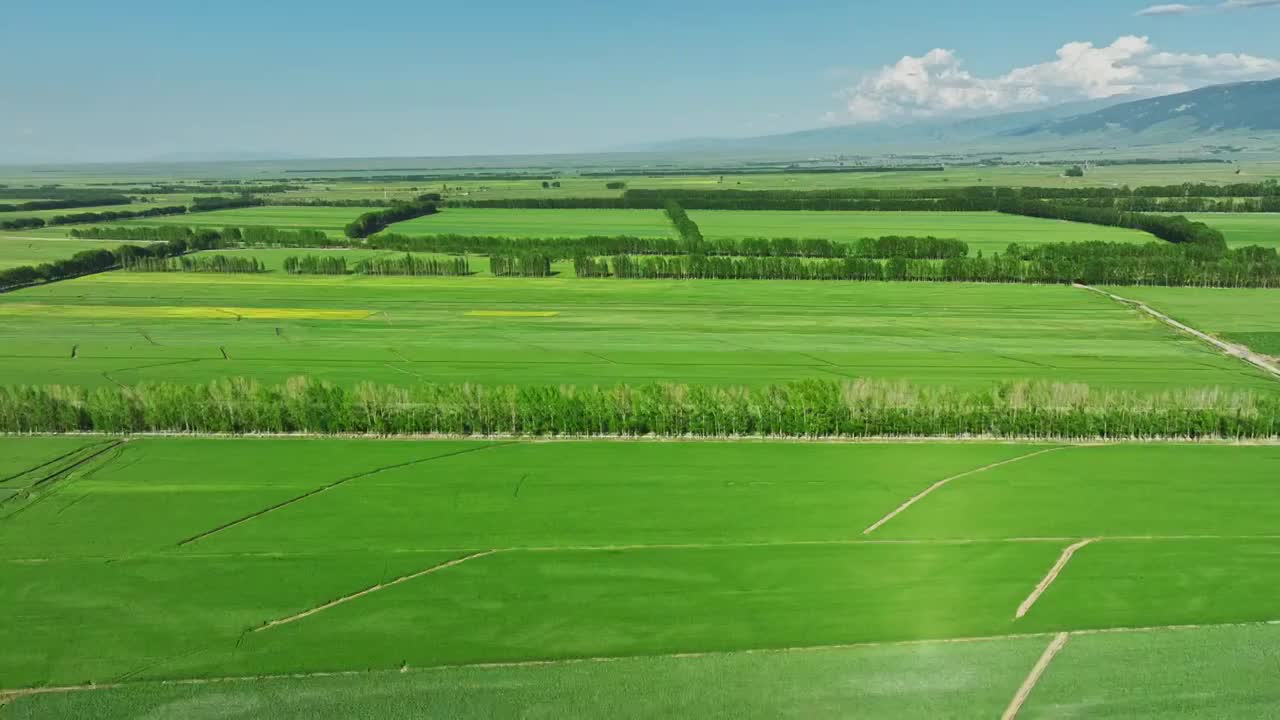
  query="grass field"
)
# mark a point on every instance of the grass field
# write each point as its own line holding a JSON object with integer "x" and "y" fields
{"x": 538, "y": 223}
{"x": 1244, "y": 228}
{"x": 988, "y": 232}
{"x": 328, "y": 219}
{"x": 130, "y": 327}
{"x": 1245, "y": 316}
{"x": 520, "y": 552}
{"x": 16, "y": 250}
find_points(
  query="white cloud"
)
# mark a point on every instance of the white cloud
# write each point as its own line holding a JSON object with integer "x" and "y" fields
{"x": 937, "y": 83}
{"x": 1183, "y": 9}
{"x": 1174, "y": 9}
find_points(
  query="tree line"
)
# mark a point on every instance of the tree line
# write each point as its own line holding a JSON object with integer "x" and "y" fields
{"x": 209, "y": 204}
{"x": 377, "y": 221}
{"x": 90, "y": 201}
{"x": 1093, "y": 263}
{"x": 88, "y": 217}
{"x": 408, "y": 264}
{"x": 809, "y": 409}
{"x": 686, "y": 228}
{"x": 1174, "y": 229}
{"x": 527, "y": 264}
{"x": 228, "y": 264}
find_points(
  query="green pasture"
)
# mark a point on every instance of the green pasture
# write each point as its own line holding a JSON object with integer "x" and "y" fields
{"x": 166, "y": 559}
{"x": 538, "y": 223}
{"x": 1243, "y": 315}
{"x": 24, "y": 249}
{"x": 328, "y": 219}
{"x": 126, "y": 328}
{"x": 1244, "y": 228}
{"x": 988, "y": 232}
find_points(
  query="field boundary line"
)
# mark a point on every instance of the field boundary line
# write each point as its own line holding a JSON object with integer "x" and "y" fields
{"x": 330, "y": 486}
{"x": 1020, "y": 698}
{"x": 374, "y": 588}
{"x": 1052, "y": 575}
{"x": 1240, "y": 352}
{"x": 8, "y": 694}
{"x": 67, "y": 470}
{"x": 764, "y": 544}
{"x": 927, "y": 491}
{"x": 45, "y": 464}
{"x": 1065, "y": 441}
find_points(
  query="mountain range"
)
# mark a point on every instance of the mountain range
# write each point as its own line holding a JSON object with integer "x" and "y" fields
{"x": 1245, "y": 113}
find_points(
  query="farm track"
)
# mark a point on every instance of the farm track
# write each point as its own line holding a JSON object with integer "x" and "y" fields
{"x": 10, "y": 694}
{"x": 329, "y": 486}
{"x": 1239, "y": 352}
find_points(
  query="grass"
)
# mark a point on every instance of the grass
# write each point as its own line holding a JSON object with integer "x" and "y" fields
{"x": 538, "y": 223}
{"x": 17, "y": 250}
{"x": 922, "y": 681}
{"x": 1244, "y": 228}
{"x": 1245, "y": 316}
{"x": 765, "y": 552}
{"x": 983, "y": 231}
{"x": 328, "y": 219}
{"x": 130, "y": 327}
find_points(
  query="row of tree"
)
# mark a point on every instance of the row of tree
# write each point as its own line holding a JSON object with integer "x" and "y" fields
{"x": 29, "y": 223}
{"x": 527, "y": 264}
{"x": 315, "y": 265}
{"x": 811, "y": 408}
{"x": 209, "y": 204}
{"x": 377, "y": 221}
{"x": 59, "y": 204}
{"x": 230, "y": 264}
{"x": 1095, "y": 263}
{"x": 686, "y": 228}
{"x": 409, "y": 264}
{"x": 1174, "y": 229}
{"x": 252, "y": 236}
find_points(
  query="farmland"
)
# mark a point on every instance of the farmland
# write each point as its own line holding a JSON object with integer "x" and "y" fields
{"x": 1243, "y": 316}
{"x": 130, "y": 327}
{"x": 1244, "y": 228}
{"x": 986, "y": 232}
{"x": 374, "y": 566}
{"x": 554, "y": 551}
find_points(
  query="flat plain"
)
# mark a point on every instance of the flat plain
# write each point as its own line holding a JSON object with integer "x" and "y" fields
{"x": 988, "y": 232}
{"x": 1244, "y": 228}
{"x": 1241, "y": 315}
{"x": 425, "y": 559}
{"x": 181, "y": 327}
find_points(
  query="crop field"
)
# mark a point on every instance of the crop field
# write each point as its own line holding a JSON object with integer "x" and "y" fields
{"x": 1244, "y": 228}
{"x": 538, "y": 223}
{"x": 327, "y": 219}
{"x": 985, "y": 231}
{"x": 1245, "y": 316}
{"x": 125, "y": 328}
{"x": 793, "y": 578}
{"x": 17, "y": 249}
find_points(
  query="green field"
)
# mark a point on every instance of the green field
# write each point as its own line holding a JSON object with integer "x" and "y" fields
{"x": 328, "y": 219}
{"x": 554, "y": 551}
{"x": 130, "y": 327}
{"x": 16, "y": 250}
{"x": 538, "y": 223}
{"x": 988, "y": 232}
{"x": 1244, "y": 228}
{"x": 1245, "y": 316}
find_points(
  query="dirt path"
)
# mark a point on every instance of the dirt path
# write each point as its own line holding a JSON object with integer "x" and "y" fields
{"x": 374, "y": 589}
{"x": 1048, "y": 579}
{"x": 1024, "y": 692}
{"x": 922, "y": 495}
{"x": 1236, "y": 351}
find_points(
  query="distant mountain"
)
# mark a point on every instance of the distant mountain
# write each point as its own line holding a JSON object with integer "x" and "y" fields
{"x": 1226, "y": 114}
{"x": 1239, "y": 106}
{"x": 927, "y": 134}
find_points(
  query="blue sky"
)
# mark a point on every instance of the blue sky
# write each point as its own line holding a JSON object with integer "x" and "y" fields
{"x": 95, "y": 81}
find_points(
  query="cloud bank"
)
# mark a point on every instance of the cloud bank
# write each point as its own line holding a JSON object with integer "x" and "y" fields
{"x": 1182, "y": 9}
{"x": 937, "y": 83}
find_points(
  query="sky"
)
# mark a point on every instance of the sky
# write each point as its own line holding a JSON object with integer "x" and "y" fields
{"x": 90, "y": 81}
